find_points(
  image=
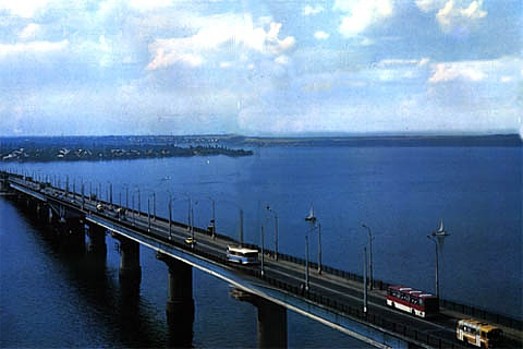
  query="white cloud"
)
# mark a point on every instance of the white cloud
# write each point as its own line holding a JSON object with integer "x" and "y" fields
{"x": 282, "y": 60}
{"x": 430, "y": 5}
{"x": 321, "y": 35}
{"x": 309, "y": 10}
{"x": 230, "y": 32}
{"x": 452, "y": 15}
{"x": 445, "y": 72}
{"x": 29, "y": 32}
{"x": 34, "y": 47}
{"x": 503, "y": 70}
{"x": 361, "y": 14}
{"x": 148, "y": 5}
{"x": 403, "y": 62}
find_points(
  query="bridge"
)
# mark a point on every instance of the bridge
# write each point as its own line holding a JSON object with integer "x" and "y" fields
{"x": 279, "y": 283}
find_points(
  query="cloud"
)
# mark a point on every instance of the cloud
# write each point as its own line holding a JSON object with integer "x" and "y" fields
{"x": 282, "y": 60}
{"x": 33, "y": 47}
{"x": 454, "y": 16}
{"x": 361, "y": 14}
{"x": 167, "y": 53}
{"x": 228, "y": 33}
{"x": 430, "y": 5}
{"x": 445, "y": 72}
{"x": 403, "y": 62}
{"x": 149, "y": 5}
{"x": 321, "y": 35}
{"x": 503, "y": 70}
{"x": 309, "y": 10}
{"x": 30, "y": 31}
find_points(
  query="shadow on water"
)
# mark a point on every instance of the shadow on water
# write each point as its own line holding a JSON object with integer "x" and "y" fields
{"x": 112, "y": 303}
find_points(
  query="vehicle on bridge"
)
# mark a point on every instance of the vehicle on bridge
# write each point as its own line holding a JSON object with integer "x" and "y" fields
{"x": 412, "y": 301}
{"x": 242, "y": 255}
{"x": 190, "y": 241}
{"x": 478, "y": 333}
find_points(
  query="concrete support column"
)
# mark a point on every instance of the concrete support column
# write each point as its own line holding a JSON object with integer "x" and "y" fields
{"x": 39, "y": 210}
{"x": 50, "y": 214}
{"x": 272, "y": 324}
{"x": 96, "y": 243}
{"x": 130, "y": 270}
{"x": 72, "y": 235}
{"x": 180, "y": 302}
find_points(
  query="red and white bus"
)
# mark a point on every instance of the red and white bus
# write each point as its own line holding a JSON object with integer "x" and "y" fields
{"x": 412, "y": 301}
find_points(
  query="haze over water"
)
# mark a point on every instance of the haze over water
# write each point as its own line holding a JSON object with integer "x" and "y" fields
{"x": 401, "y": 193}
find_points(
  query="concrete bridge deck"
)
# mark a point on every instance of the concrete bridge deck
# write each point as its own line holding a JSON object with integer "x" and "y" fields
{"x": 331, "y": 299}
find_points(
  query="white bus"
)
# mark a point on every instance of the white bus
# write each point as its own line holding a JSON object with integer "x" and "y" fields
{"x": 242, "y": 255}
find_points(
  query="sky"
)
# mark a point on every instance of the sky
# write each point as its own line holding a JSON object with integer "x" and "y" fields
{"x": 280, "y": 67}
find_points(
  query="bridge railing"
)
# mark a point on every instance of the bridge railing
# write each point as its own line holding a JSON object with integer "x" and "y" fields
{"x": 482, "y": 314}
{"x": 357, "y": 314}
{"x": 377, "y": 284}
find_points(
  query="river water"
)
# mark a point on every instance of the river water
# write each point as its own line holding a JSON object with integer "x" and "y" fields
{"x": 400, "y": 193}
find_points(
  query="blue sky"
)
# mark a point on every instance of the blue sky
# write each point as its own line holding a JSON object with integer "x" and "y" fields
{"x": 80, "y": 67}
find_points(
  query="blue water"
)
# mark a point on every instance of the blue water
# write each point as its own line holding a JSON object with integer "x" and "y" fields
{"x": 401, "y": 193}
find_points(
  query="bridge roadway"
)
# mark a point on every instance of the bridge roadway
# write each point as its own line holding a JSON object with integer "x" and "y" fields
{"x": 332, "y": 300}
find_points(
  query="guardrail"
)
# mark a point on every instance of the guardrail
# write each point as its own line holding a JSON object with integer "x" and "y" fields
{"x": 377, "y": 284}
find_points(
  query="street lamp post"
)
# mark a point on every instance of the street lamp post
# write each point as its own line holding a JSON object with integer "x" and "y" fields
{"x": 110, "y": 193}
{"x": 319, "y": 248}
{"x": 276, "y": 236}
{"x": 213, "y": 217}
{"x": 83, "y": 196}
{"x": 148, "y": 213}
{"x": 437, "y": 263}
{"x": 365, "y": 280}
{"x": 262, "y": 250}
{"x": 192, "y": 219}
{"x": 371, "y": 271}
{"x": 241, "y": 227}
{"x": 154, "y": 206}
{"x": 312, "y": 219}
{"x": 170, "y": 215}
{"x": 276, "y": 232}
{"x": 138, "y": 191}
{"x": 307, "y": 261}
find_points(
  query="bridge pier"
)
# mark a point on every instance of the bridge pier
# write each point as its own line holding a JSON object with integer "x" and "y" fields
{"x": 180, "y": 302}
{"x": 272, "y": 324}
{"x": 72, "y": 235}
{"x": 271, "y": 320}
{"x": 39, "y": 210}
{"x": 50, "y": 214}
{"x": 96, "y": 245}
{"x": 130, "y": 270}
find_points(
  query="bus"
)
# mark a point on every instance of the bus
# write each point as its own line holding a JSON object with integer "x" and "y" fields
{"x": 477, "y": 333}
{"x": 242, "y": 255}
{"x": 412, "y": 301}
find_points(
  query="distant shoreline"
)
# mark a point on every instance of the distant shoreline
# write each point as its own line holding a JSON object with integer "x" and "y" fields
{"x": 49, "y": 149}
{"x": 393, "y": 140}
{"x": 103, "y": 148}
